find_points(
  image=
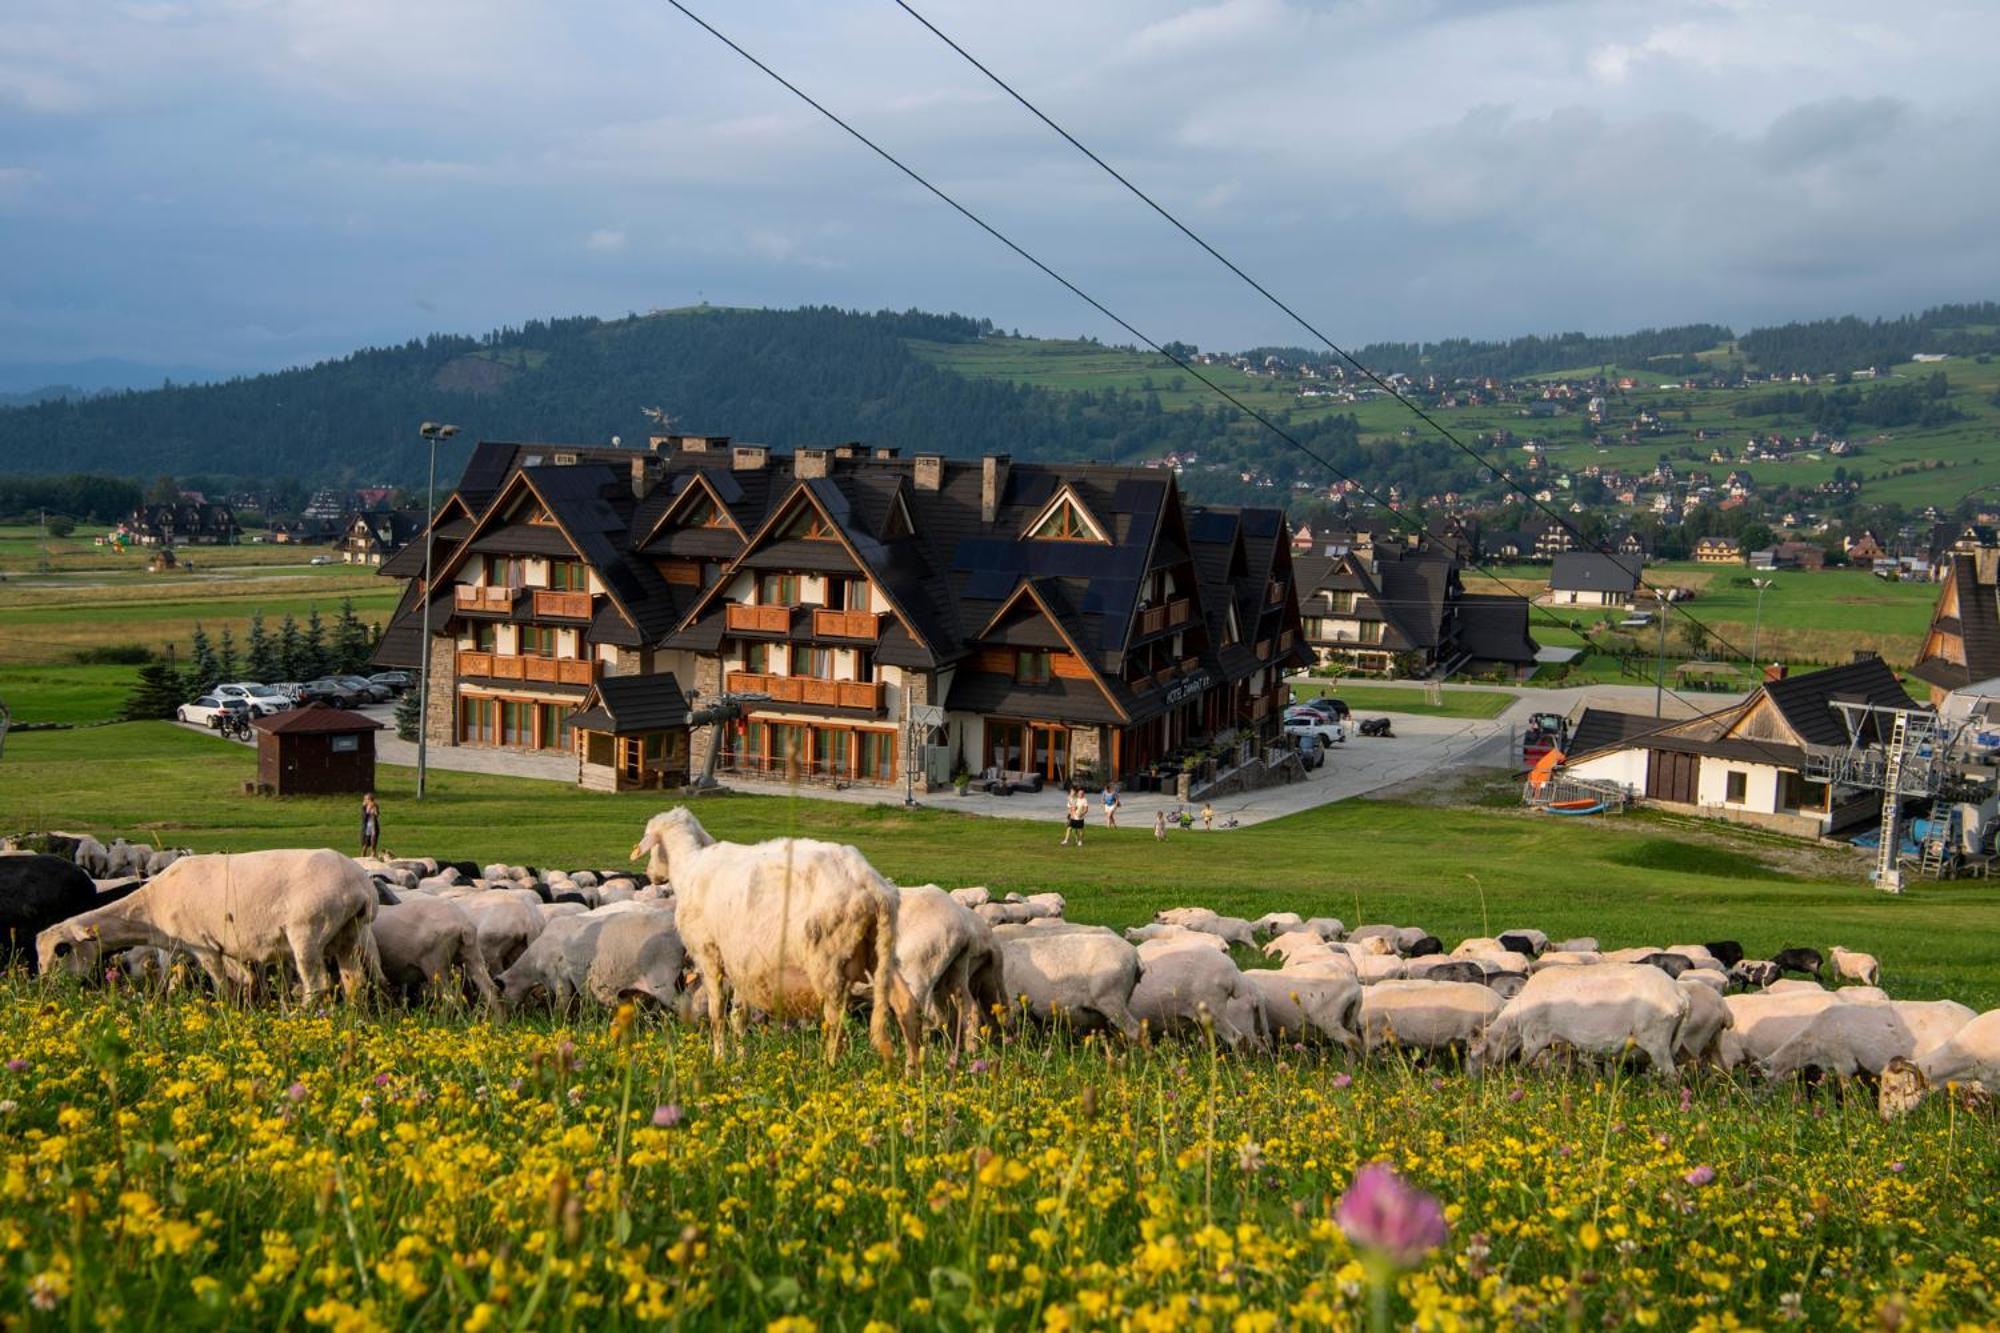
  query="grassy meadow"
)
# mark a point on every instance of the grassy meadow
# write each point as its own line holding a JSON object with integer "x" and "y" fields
{"x": 178, "y": 1163}
{"x": 1472, "y": 863}
{"x": 1407, "y": 699}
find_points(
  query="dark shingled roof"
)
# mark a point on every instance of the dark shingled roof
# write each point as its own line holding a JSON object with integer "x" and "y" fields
{"x": 1976, "y": 627}
{"x": 627, "y": 705}
{"x": 1607, "y": 728}
{"x": 1593, "y": 571}
{"x": 315, "y": 719}
{"x": 1806, "y": 700}
{"x": 1493, "y": 627}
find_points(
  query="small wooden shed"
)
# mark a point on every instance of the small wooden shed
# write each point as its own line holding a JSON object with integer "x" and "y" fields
{"x": 316, "y": 751}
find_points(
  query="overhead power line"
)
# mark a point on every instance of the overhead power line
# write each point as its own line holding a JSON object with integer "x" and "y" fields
{"x": 1378, "y": 381}
{"x": 1220, "y": 390}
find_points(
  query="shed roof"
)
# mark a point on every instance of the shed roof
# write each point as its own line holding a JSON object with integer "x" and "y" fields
{"x": 315, "y": 719}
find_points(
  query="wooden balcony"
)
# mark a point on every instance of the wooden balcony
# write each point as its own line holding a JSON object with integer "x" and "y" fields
{"x": 810, "y": 690}
{"x": 481, "y": 597}
{"x": 1156, "y": 618}
{"x": 535, "y": 670}
{"x": 741, "y": 617}
{"x": 864, "y": 625}
{"x": 1188, "y": 665}
{"x": 1264, "y": 704}
{"x": 555, "y": 604}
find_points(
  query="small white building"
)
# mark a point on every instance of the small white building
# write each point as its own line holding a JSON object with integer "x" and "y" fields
{"x": 1592, "y": 578}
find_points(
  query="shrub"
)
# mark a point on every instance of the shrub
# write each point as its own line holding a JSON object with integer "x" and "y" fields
{"x": 113, "y": 654}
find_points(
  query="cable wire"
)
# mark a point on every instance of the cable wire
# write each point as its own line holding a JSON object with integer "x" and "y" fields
{"x": 1378, "y": 381}
{"x": 1218, "y": 389}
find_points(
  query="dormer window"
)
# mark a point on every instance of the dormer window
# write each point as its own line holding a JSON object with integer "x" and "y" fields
{"x": 808, "y": 524}
{"x": 541, "y": 517}
{"x": 898, "y": 524}
{"x": 1065, "y": 520}
{"x": 705, "y": 513}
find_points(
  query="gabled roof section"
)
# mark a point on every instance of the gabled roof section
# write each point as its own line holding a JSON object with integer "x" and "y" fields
{"x": 629, "y": 705}
{"x": 1066, "y": 518}
{"x": 699, "y": 488}
{"x": 1806, "y": 701}
{"x": 1594, "y": 571}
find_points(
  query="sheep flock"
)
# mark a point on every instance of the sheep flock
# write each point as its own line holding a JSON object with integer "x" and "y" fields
{"x": 725, "y": 934}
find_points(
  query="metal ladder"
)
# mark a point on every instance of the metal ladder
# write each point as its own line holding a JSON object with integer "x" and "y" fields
{"x": 1939, "y": 839}
{"x": 1888, "y": 861}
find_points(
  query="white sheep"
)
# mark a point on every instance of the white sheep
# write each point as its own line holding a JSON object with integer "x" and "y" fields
{"x": 1082, "y": 975}
{"x": 1971, "y": 1053}
{"x": 507, "y": 925}
{"x": 1857, "y": 967}
{"x": 948, "y": 960}
{"x": 1708, "y": 1017}
{"x": 1603, "y": 1011}
{"x": 1303, "y": 1007}
{"x": 234, "y": 914}
{"x": 1278, "y": 923}
{"x": 1850, "y": 1039}
{"x": 783, "y": 925}
{"x": 422, "y": 939}
{"x": 1182, "y": 983}
{"x": 1425, "y": 1015}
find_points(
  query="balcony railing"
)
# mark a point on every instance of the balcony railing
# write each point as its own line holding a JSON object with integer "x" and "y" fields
{"x": 1264, "y": 704}
{"x": 742, "y": 617}
{"x": 810, "y": 690}
{"x": 1156, "y": 618}
{"x": 847, "y": 624}
{"x": 484, "y": 597}
{"x": 539, "y": 670}
{"x": 562, "y": 605}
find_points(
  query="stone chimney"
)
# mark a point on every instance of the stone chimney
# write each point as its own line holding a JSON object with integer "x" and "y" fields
{"x": 930, "y": 472}
{"x": 886, "y": 451}
{"x": 660, "y": 444}
{"x": 809, "y": 463}
{"x": 749, "y": 457}
{"x": 645, "y": 475}
{"x": 852, "y": 449}
{"x": 992, "y": 483}
{"x": 696, "y": 444}
{"x": 1776, "y": 671}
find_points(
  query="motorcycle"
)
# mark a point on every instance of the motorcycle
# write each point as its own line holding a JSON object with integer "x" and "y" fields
{"x": 1376, "y": 726}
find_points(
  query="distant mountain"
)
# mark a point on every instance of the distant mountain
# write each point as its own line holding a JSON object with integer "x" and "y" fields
{"x": 78, "y": 378}
{"x": 46, "y": 393}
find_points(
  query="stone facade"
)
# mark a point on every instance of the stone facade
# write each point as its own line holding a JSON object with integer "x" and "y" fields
{"x": 1086, "y": 750}
{"x": 708, "y": 684}
{"x": 441, "y": 687}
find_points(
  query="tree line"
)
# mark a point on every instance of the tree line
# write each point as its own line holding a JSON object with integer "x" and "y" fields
{"x": 294, "y": 652}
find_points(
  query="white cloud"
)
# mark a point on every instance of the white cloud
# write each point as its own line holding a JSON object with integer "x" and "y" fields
{"x": 606, "y": 241}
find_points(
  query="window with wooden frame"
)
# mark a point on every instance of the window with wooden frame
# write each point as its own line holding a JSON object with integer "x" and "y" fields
{"x": 483, "y": 637}
{"x": 537, "y": 640}
{"x": 540, "y": 517}
{"x": 503, "y": 571}
{"x": 704, "y": 513}
{"x": 569, "y": 575}
{"x": 898, "y": 523}
{"x": 1031, "y": 666}
{"x": 1065, "y": 521}
{"x": 811, "y": 661}
{"x": 807, "y": 524}
{"x": 778, "y": 589}
{"x": 757, "y": 658}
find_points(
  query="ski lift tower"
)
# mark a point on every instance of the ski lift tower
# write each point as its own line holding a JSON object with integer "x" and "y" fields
{"x": 1899, "y": 752}
{"x": 726, "y": 709}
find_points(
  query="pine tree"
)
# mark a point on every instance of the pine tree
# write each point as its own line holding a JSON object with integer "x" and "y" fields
{"x": 203, "y": 670}
{"x": 225, "y": 657}
{"x": 406, "y": 714}
{"x": 264, "y": 664}
{"x": 291, "y": 655}
{"x": 351, "y": 643}
{"x": 313, "y": 650}
{"x": 157, "y": 694}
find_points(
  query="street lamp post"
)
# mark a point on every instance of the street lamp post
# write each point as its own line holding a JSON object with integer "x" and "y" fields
{"x": 1756, "y": 625}
{"x": 434, "y": 432}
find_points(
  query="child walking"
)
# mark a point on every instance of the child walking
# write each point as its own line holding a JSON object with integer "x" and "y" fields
{"x": 1160, "y": 824}
{"x": 1076, "y": 808}
{"x": 371, "y": 825}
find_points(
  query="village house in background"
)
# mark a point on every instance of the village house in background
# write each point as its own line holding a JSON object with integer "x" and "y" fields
{"x": 1749, "y": 762}
{"x": 1592, "y": 578}
{"x": 182, "y": 523}
{"x": 1395, "y": 605}
{"x": 1962, "y": 645}
{"x": 375, "y": 535}
{"x": 1064, "y": 621}
{"x": 1717, "y": 550}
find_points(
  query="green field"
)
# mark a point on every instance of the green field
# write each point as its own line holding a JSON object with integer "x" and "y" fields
{"x": 65, "y": 693}
{"x": 1907, "y": 465}
{"x": 1641, "y": 879}
{"x": 1402, "y": 699}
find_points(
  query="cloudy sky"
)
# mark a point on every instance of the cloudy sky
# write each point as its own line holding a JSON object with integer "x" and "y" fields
{"x": 241, "y": 184}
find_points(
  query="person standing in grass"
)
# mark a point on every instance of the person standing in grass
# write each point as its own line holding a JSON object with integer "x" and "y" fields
{"x": 1111, "y": 805}
{"x": 371, "y": 825}
{"x": 1160, "y": 824}
{"x": 1207, "y": 817}
{"x": 1075, "y": 809}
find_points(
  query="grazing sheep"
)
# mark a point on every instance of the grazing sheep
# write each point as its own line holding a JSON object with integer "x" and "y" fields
{"x": 1425, "y": 1015}
{"x": 1175, "y": 937}
{"x": 1700, "y": 1038}
{"x": 948, "y": 960}
{"x": 1008, "y": 914}
{"x": 234, "y": 913}
{"x": 1766, "y": 1021}
{"x": 1850, "y": 1039}
{"x": 1697, "y": 955}
{"x": 1507, "y": 984}
{"x": 36, "y": 892}
{"x": 636, "y": 955}
{"x": 1446, "y": 969}
{"x": 423, "y": 940}
{"x": 1278, "y": 923}
{"x": 1297, "y": 945}
{"x": 1672, "y": 964}
{"x": 1793, "y": 986}
{"x": 1326, "y": 927}
{"x": 1580, "y": 944}
{"x": 1634, "y": 955}
{"x": 555, "y": 967}
{"x": 507, "y": 926}
{"x": 1051, "y": 904}
{"x": 1851, "y": 966}
{"x": 1181, "y": 982}
{"x": 1310, "y": 1008}
{"x": 1229, "y": 929}
{"x": 1426, "y": 946}
{"x": 1753, "y": 973}
{"x": 975, "y": 896}
{"x": 783, "y": 924}
{"x": 1374, "y": 932}
{"x": 1726, "y": 952}
{"x": 1530, "y": 942}
{"x": 1084, "y": 976}
{"x": 1566, "y": 958}
{"x": 1602, "y": 1011}
{"x": 1479, "y": 946}
{"x": 1707, "y": 978}
{"x": 1807, "y": 961}
{"x": 1972, "y": 1052}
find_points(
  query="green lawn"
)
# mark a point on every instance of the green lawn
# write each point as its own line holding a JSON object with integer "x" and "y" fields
{"x": 1636, "y": 880}
{"x": 69, "y": 693}
{"x": 1408, "y": 699}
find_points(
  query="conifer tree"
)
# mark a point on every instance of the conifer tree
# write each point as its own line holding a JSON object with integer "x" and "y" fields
{"x": 263, "y": 662}
{"x": 225, "y": 656}
{"x": 157, "y": 694}
{"x": 291, "y": 653}
{"x": 313, "y": 650}
{"x": 203, "y": 669}
{"x": 351, "y": 642}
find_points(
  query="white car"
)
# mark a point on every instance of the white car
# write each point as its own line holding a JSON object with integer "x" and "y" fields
{"x": 205, "y": 711}
{"x": 263, "y": 700}
{"x": 1326, "y": 733}
{"x": 320, "y": 560}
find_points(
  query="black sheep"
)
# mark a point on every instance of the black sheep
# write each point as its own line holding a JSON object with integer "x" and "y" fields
{"x": 1461, "y": 970}
{"x": 1425, "y": 947}
{"x": 1670, "y": 963}
{"x": 469, "y": 869}
{"x": 572, "y": 898}
{"x": 1520, "y": 944}
{"x": 1726, "y": 952}
{"x": 38, "y": 891}
{"x": 1807, "y": 961}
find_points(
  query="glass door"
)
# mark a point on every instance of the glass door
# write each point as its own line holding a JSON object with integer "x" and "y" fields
{"x": 1051, "y": 752}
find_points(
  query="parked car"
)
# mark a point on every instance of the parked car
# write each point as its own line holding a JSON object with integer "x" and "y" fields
{"x": 1312, "y": 754}
{"x": 289, "y": 688}
{"x": 206, "y": 710}
{"x": 263, "y": 700}
{"x": 1328, "y": 733}
{"x": 1327, "y": 709}
{"x": 366, "y": 690}
{"x": 320, "y": 560}
{"x": 397, "y": 681}
{"x": 327, "y": 690}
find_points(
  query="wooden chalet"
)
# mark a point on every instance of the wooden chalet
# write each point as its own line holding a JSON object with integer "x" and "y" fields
{"x": 885, "y": 619}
